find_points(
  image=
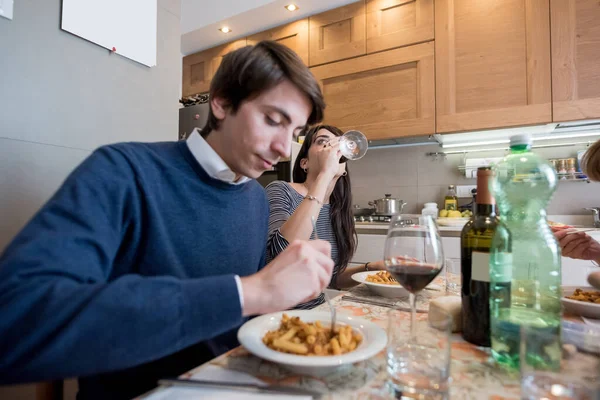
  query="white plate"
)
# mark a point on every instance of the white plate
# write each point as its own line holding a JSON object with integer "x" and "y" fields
{"x": 452, "y": 221}
{"x": 581, "y": 308}
{"x": 380, "y": 289}
{"x": 251, "y": 333}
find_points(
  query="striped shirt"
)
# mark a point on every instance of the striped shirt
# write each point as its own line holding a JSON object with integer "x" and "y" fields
{"x": 283, "y": 201}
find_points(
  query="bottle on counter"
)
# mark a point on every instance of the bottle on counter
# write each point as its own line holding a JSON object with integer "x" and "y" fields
{"x": 451, "y": 200}
{"x": 525, "y": 272}
{"x": 430, "y": 209}
{"x": 475, "y": 244}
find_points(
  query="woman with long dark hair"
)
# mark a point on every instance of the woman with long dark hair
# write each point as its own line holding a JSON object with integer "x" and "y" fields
{"x": 321, "y": 189}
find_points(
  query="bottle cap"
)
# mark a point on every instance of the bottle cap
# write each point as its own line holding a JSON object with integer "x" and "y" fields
{"x": 431, "y": 205}
{"x": 519, "y": 140}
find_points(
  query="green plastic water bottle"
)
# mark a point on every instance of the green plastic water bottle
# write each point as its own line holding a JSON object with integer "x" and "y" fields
{"x": 525, "y": 276}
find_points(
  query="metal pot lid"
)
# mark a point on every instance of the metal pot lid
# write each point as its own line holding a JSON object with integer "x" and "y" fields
{"x": 388, "y": 197}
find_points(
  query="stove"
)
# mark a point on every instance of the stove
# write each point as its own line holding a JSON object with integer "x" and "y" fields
{"x": 382, "y": 219}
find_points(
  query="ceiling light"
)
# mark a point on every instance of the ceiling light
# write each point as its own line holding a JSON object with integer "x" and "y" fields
{"x": 225, "y": 29}
{"x": 291, "y": 7}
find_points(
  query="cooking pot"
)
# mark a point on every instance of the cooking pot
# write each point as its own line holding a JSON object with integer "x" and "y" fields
{"x": 359, "y": 211}
{"x": 387, "y": 205}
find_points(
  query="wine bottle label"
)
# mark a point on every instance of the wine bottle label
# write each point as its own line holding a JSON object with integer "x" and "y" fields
{"x": 480, "y": 266}
{"x": 501, "y": 265}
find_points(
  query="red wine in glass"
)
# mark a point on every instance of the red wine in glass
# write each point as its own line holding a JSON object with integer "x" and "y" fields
{"x": 413, "y": 276}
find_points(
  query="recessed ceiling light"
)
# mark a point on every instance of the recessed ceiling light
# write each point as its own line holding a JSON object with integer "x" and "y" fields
{"x": 291, "y": 7}
{"x": 225, "y": 29}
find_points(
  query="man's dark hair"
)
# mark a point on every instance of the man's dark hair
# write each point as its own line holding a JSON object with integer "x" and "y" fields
{"x": 246, "y": 73}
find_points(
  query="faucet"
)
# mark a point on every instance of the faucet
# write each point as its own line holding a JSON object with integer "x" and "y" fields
{"x": 596, "y": 211}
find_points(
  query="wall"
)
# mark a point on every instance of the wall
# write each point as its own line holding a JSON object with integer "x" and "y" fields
{"x": 62, "y": 97}
{"x": 407, "y": 173}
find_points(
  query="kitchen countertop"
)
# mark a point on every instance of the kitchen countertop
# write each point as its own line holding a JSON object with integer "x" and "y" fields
{"x": 376, "y": 228}
{"x": 373, "y": 228}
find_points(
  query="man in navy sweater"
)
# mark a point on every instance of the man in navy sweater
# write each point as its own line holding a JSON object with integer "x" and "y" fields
{"x": 150, "y": 253}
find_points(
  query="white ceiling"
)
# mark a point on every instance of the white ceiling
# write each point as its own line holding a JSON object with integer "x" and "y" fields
{"x": 201, "y": 19}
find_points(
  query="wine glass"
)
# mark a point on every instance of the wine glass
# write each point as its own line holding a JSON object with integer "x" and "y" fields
{"x": 353, "y": 145}
{"x": 413, "y": 255}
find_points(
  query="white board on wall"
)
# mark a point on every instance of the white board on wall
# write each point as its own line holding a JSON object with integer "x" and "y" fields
{"x": 127, "y": 27}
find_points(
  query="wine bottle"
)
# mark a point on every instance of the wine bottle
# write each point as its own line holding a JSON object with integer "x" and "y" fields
{"x": 475, "y": 242}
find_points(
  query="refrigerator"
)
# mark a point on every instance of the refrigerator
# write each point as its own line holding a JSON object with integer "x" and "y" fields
{"x": 195, "y": 116}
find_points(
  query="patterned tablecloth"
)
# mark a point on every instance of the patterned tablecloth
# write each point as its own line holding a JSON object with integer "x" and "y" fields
{"x": 473, "y": 373}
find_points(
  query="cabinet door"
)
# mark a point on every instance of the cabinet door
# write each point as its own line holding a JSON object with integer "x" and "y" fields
{"x": 397, "y": 23}
{"x": 492, "y": 63}
{"x": 293, "y": 35}
{"x": 575, "y": 59}
{"x": 384, "y": 95}
{"x": 337, "y": 34}
{"x": 199, "y": 68}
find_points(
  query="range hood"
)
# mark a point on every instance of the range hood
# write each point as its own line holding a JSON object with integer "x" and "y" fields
{"x": 581, "y": 131}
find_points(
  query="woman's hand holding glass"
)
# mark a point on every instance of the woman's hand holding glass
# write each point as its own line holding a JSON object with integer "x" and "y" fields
{"x": 328, "y": 159}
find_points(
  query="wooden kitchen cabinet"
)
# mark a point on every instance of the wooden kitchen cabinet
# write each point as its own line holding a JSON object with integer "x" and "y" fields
{"x": 293, "y": 35}
{"x": 384, "y": 95}
{"x": 337, "y": 34}
{"x": 397, "y": 23}
{"x": 492, "y": 64}
{"x": 575, "y": 59}
{"x": 199, "y": 68}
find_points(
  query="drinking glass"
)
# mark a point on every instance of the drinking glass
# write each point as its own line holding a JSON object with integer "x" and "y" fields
{"x": 419, "y": 366}
{"x": 541, "y": 375}
{"x": 413, "y": 255}
{"x": 353, "y": 145}
{"x": 452, "y": 288}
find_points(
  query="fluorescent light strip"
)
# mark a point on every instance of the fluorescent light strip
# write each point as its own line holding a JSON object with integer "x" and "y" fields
{"x": 539, "y": 146}
{"x": 566, "y": 136}
{"x": 535, "y": 139}
{"x": 471, "y": 144}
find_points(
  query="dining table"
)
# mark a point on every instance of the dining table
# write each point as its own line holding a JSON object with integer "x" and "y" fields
{"x": 474, "y": 375}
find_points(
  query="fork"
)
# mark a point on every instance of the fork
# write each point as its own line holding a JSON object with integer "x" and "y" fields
{"x": 327, "y": 299}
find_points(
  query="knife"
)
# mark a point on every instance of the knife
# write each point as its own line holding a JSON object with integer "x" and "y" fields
{"x": 379, "y": 303}
{"x": 241, "y": 386}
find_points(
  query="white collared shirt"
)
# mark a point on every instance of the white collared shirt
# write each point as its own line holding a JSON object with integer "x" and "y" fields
{"x": 216, "y": 168}
{"x": 210, "y": 161}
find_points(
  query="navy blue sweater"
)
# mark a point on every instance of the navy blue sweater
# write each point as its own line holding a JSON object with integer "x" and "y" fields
{"x": 132, "y": 260}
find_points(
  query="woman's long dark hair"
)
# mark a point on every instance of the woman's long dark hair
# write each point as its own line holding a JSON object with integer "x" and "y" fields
{"x": 340, "y": 200}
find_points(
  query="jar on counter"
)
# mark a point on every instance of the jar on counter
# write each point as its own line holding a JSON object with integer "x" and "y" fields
{"x": 554, "y": 163}
{"x": 430, "y": 209}
{"x": 571, "y": 168}
{"x": 561, "y": 168}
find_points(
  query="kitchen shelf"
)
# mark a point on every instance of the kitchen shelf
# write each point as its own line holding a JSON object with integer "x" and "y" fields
{"x": 576, "y": 177}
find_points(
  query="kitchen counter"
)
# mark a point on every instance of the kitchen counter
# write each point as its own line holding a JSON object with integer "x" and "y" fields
{"x": 373, "y": 228}
{"x": 380, "y": 228}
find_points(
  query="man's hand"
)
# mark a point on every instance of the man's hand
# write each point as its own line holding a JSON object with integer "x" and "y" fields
{"x": 299, "y": 273}
{"x": 577, "y": 245}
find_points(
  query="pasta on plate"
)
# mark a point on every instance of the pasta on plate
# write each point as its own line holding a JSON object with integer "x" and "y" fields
{"x": 311, "y": 338}
{"x": 382, "y": 277}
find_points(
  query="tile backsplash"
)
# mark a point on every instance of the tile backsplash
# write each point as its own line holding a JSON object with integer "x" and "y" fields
{"x": 409, "y": 174}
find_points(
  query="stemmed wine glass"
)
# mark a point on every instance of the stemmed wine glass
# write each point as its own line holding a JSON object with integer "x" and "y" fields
{"x": 413, "y": 255}
{"x": 353, "y": 145}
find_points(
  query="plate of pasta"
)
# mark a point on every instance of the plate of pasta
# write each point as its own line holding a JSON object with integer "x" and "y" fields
{"x": 381, "y": 283}
{"x": 582, "y": 301}
{"x": 302, "y": 340}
